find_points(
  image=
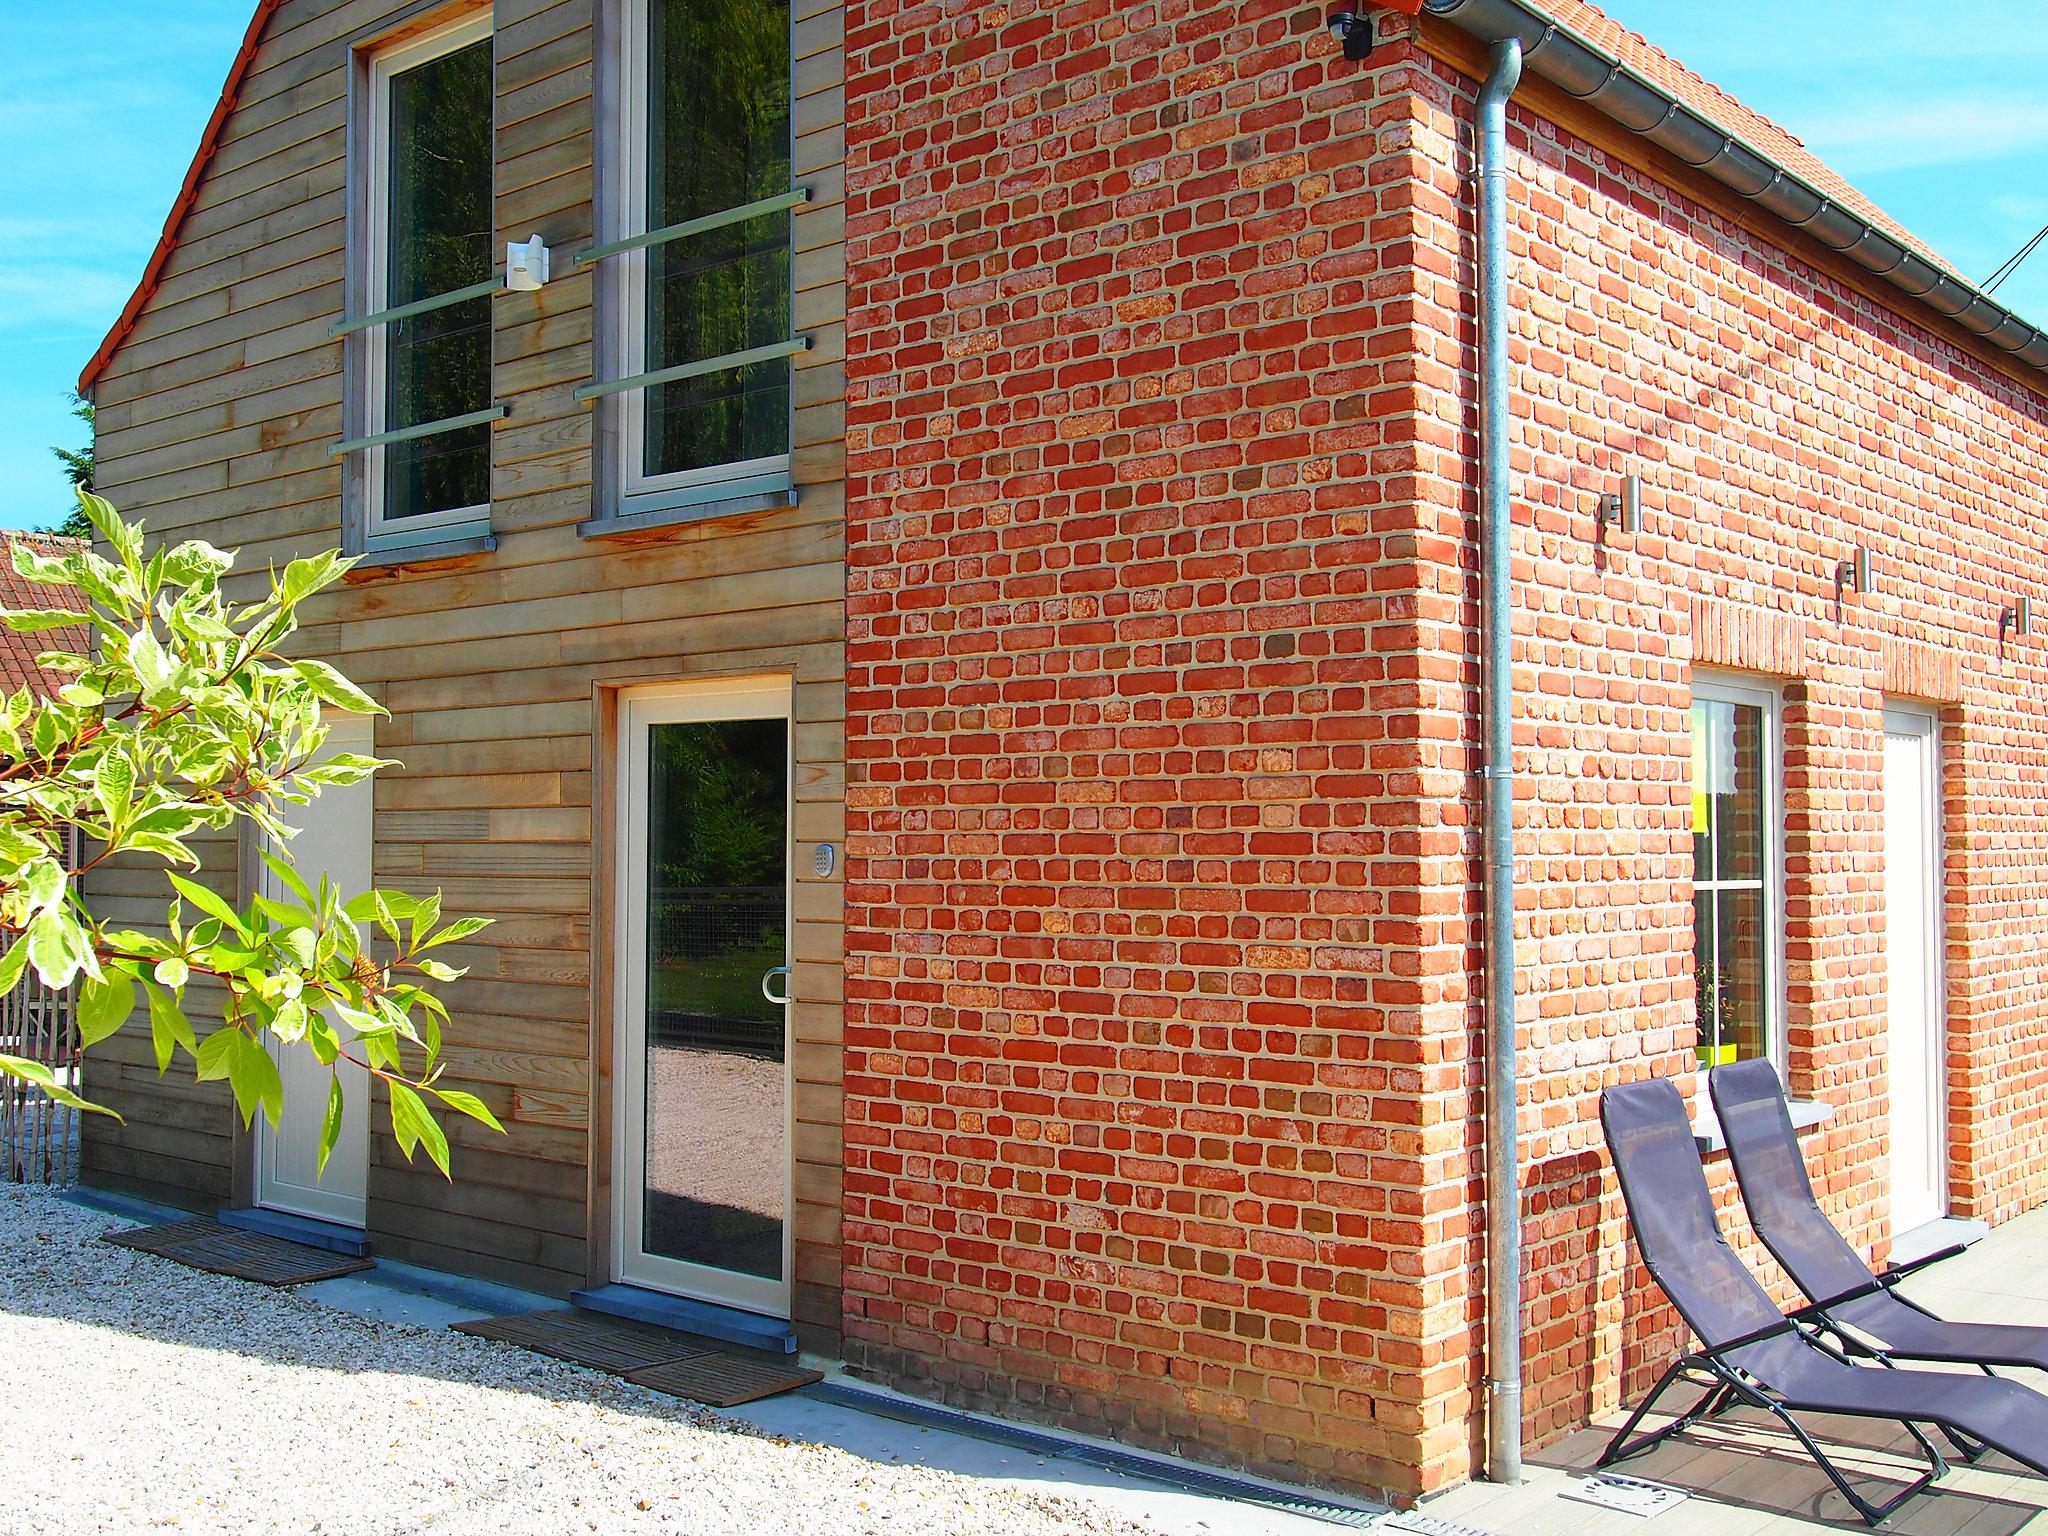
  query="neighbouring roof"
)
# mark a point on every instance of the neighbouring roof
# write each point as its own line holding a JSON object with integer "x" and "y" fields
{"x": 1945, "y": 291}
{"x": 18, "y": 652}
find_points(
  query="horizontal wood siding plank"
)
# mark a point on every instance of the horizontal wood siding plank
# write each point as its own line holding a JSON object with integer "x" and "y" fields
{"x": 216, "y": 420}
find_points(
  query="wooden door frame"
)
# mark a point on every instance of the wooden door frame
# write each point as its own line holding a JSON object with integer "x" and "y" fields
{"x": 607, "y": 700}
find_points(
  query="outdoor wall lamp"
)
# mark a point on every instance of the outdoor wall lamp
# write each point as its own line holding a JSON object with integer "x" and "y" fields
{"x": 526, "y": 265}
{"x": 1354, "y": 32}
{"x": 1623, "y": 509}
{"x": 1855, "y": 572}
{"x": 2019, "y": 618}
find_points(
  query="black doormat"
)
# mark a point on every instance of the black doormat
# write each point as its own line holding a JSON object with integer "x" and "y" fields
{"x": 721, "y": 1380}
{"x": 206, "y": 1244}
{"x": 679, "y": 1364}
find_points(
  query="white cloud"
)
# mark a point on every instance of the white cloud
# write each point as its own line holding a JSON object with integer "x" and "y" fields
{"x": 48, "y": 296}
{"x": 1892, "y": 135}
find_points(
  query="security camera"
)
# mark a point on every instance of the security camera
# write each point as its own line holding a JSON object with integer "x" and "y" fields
{"x": 1354, "y": 32}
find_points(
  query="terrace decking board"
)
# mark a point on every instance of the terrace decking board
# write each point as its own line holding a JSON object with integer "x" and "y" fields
{"x": 206, "y": 1244}
{"x": 678, "y": 1364}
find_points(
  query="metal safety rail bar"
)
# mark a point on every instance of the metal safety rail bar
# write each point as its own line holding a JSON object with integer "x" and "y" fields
{"x": 424, "y": 429}
{"x": 696, "y": 226}
{"x": 695, "y": 370}
{"x": 488, "y": 286}
{"x": 794, "y": 198}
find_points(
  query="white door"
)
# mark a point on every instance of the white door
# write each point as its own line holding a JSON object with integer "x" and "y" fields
{"x": 1917, "y": 1053}
{"x": 701, "y": 1127}
{"x": 332, "y": 837}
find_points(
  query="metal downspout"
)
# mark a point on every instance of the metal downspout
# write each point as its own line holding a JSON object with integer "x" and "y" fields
{"x": 1503, "y": 1178}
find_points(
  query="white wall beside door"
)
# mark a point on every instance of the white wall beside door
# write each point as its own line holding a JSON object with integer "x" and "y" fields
{"x": 1917, "y": 1043}
{"x": 334, "y": 838}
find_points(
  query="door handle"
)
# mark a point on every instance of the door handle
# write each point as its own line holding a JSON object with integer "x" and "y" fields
{"x": 768, "y": 977}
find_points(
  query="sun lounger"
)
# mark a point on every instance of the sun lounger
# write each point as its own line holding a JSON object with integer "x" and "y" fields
{"x": 1749, "y": 1352}
{"x": 1750, "y": 1104}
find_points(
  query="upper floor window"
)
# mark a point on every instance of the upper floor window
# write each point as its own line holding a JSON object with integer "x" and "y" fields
{"x": 706, "y": 131}
{"x": 430, "y": 230}
{"x": 1738, "y": 870}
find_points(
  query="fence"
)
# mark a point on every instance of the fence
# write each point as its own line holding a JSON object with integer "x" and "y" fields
{"x": 38, "y": 1137}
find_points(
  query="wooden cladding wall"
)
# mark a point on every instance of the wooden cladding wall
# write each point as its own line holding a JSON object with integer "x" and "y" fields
{"x": 216, "y": 419}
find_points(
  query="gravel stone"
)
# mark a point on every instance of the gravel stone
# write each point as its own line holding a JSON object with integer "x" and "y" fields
{"x": 144, "y": 1396}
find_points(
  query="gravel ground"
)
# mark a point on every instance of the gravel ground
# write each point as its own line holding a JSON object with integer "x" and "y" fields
{"x": 141, "y": 1395}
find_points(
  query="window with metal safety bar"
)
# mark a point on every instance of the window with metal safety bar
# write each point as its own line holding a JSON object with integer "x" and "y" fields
{"x": 699, "y": 391}
{"x": 424, "y": 446}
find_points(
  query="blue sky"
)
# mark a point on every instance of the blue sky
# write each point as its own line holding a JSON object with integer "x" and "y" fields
{"x": 1937, "y": 114}
{"x": 101, "y": 105}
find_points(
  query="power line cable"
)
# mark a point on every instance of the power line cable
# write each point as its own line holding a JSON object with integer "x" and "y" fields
{"x": 2012, "y": 262}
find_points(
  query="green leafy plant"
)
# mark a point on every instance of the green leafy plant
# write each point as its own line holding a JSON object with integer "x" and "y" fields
{"x": 186, "y": 719}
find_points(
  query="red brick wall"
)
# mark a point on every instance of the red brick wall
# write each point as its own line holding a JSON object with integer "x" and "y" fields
{"x": 1136, "y": 1098}
{"x": 1161, "y": 1026}
{"x": 1779, "y": 417}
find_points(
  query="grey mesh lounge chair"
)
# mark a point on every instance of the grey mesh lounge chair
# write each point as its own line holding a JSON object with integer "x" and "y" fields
{"x": 1750, "y": 1104}
{"x": 1752, "y": 1354}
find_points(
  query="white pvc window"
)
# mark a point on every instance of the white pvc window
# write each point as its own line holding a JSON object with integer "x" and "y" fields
{"x": 1738, "y": 870}
{"x": 429, "y": 221}
{"x": 705, "y": 129}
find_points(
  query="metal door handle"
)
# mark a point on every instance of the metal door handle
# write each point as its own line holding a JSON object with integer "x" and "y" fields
{"x": 769, "y": 976}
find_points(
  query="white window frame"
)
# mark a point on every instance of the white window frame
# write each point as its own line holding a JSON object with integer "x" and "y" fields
{"x": 640, "y": 492}
{"x": 640, "y": 710}
{"x": 1727, "y": 689}
{"x": 454, "y": 522}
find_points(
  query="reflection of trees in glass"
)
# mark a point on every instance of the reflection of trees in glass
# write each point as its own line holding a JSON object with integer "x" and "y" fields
{"x": 717, "y": 834}
{"x": 1732, "y": 953}
{"x": 440, "y": 225}
{"x": 718, "y": 803}
{"x": 718, "y": 138}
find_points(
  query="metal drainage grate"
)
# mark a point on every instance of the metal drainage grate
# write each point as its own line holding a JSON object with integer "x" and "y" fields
{"x": 1179, "y": 1475}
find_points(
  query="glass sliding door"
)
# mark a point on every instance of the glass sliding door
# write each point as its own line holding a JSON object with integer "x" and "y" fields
{"x": 703, "y": 1142}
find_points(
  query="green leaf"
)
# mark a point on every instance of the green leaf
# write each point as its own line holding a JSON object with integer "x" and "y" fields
{"x": 332, "y": 688}
{"x": 172, "y": 971}
{"x": 42, "y": 1077}
{"x": 457, "y": 931}
{"x": 196, "y": 561}
{"x": 288, "y": 876}
{"x": 49, "y": 570}
{"x": 29, "y": 621}
{"x": 215, "y": 1051}
{"x": 114, "y": 787}
{"x": 208, "y": 901}
{"x": 414, "y": 1126}
{"x": 12, "y": 965}
{"x": 468, "y": 1104}
{"x": 125, "y": 537}
{"x": 57, "y": 949}
{"x": 254, "y": 1078}
{"x": 104, "y": 1006}
{"x": 302, "y": 578}
{"x": 151, "y": 663}
{"x": 330, "y": 1127}
{"x": 168, "y": 1026}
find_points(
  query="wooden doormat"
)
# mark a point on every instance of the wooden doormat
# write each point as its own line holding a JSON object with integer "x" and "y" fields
{"x": 206, "y": 1244}
{"x": 676, "y": 1363}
